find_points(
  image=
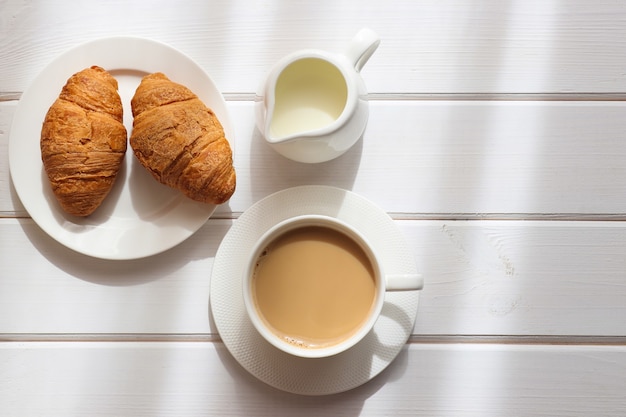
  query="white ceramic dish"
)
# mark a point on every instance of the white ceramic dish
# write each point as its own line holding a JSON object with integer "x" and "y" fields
{"x": 140, "y": 217}
{"x": 306, "y": 376}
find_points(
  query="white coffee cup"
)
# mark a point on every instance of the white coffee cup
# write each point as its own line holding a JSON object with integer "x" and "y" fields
{"x": 276, "y": 301}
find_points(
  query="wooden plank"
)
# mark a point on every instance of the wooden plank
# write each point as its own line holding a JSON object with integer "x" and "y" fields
{"x": 441, "y": 157}
{"x": 516, "y": 278}
{"x": 462, "y": 157}
{"x": 429, "y": 46}
{"x": 202, "y": 379}
{"x": 10, "y": 204}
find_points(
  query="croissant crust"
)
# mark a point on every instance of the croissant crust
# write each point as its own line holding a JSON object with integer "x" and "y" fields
{"x": 83, "y": 141}
{"x": 180, "y": 141}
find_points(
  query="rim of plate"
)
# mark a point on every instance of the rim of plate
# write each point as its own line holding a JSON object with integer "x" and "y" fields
{"x": 130, "y": 57}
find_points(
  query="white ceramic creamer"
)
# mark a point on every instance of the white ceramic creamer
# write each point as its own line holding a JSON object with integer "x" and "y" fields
{"x": 313, "y": 105}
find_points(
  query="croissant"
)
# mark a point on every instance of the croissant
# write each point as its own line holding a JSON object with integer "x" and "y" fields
{"x": 83, "y": 141}
{"x": 180, "y": 141}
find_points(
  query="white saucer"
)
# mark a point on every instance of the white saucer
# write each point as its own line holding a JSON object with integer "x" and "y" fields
{"x": 300, "y": 375}
{"x": 140, "y": 217}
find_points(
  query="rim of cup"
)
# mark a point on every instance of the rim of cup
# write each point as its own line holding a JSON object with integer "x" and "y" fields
{"x": 293, "y": 347}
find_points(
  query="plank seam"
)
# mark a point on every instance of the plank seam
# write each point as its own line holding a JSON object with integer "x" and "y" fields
{"x": 577, "y": 340}
{"x": 424, "y": 96}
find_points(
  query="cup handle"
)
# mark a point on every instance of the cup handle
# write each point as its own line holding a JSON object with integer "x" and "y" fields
{"x": 361, "y": 48}
{"x": 404, "y": 282}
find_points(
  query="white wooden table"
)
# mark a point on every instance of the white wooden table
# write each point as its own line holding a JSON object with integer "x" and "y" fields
{"x": 496, "y": 142}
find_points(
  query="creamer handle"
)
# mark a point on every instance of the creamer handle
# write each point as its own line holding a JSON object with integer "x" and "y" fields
{"x": 361, "y": 48}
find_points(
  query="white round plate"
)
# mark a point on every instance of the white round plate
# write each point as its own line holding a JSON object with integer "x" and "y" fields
{"x": 293, "y": 374}
{"x": 140, "y": 217}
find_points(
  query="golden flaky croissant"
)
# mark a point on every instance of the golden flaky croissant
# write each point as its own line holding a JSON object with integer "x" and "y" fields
{"x": 181, "y": 141}
{"x": 83, "y": 141}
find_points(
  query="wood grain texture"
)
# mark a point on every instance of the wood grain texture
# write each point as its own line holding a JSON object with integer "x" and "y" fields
{"x": 429, "y": 46}
{"x": 505, "y": 278}
{"x": 442, "y": 157}
{"x": 200, "y": 379}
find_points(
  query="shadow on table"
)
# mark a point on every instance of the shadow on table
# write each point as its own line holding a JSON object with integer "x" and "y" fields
{"x": 270, "y": 172}
{"x": 366, "y": 356}
{"x": 201, "y": 245}
{"x": 348, "y": 403}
